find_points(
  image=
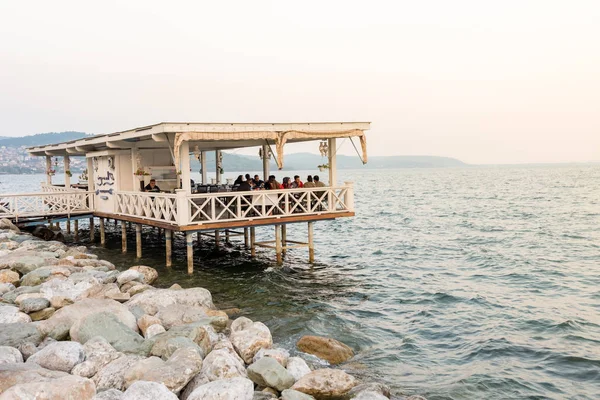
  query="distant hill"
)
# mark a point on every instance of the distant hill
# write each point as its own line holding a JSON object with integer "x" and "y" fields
{"x": 40, "y": 139}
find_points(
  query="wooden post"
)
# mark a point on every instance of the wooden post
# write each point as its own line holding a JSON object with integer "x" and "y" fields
{"x": 278, "y": 244}
{"x": 123, "y": 237}
{"x": 311, "y": 245}
{"x": 203, "y": 166}
{"x": 190, "y": 252}
{"x": 332, "y": 162}
{"x": 217, "y": 164}
{"x": 57, "y": 225}
{"x": 217, "y": 239}
{"x": 68, "y": 224}
{"x": 76, "y": 228}
{"x": 199, "y": 238}
{"x": 168, "y": 245}
{"x": 102, "y": 232}
{"x": 184, "y": 158}
{"x": 92, "y": 232}
{"x": 283, "y": 237}
{"x": 138, "y": 240}
{"x": 227, "y": 236}
{"x": 48, "y": 168}
{"x": 252, "y": 240}
{"x": 265, "y": 161}
{"x": 246, "y": 237}
{"x": 67, "y": 167}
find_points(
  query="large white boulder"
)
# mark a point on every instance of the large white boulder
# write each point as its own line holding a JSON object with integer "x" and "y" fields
{"x": 151, "y": 300}
{"x": 59, "y": 356}
{"x": 98, "y": 353}
{"x": 224, "y": 389}
{"x": 12, "y": 315}
{"x": 10, "y": 355}
{"x": 297, "y": 367}
{"x": 267, "y": 372}
{"x": 68, "y": 387}
{"x": 249, "y": 338}
{"x": 325, "y": 383}
{"x": 142, "y": 390}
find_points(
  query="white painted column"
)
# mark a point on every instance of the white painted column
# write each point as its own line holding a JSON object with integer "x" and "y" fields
{"x": 218, "y": 171}
{"x": 48, "y": 167}
{"x": 134, "y": 167}
{"x": 266, "y": 172}
{"x": 311, "y": 243}
{"x": 67, "y": 161}
{"x": 252, "y": 241}
{"x": 349, "y": 198}
{"x": 203, "y": 165}
{"x": 91, "y": 181}
{"x": 183, "y": 207}
{"x": 278, "y": 244}
{"x": 332, "y": 162}
{"x": 185, "y": 167}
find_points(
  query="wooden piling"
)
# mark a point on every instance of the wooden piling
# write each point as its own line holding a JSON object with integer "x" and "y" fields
{"x": 278, "y": 244}
{"x": 123, "y": 237}
{"x": 246, "y": 237}
{"x": 168, "y": 246}
{"x": 76, "y": 228}
{"x": 92, "y": 232}
{"x": 102, "y": 232}
{"x": 68, "y": 224}
{"x": 284, "y": 237}
{"x": 227, "y": 236}
{"x": 252, "y": 241}
{"x": 138, "y": 240}
{"x": 217, "y": 239}
{"x": 311, "y": 245}
{"x": 190, "y": 252}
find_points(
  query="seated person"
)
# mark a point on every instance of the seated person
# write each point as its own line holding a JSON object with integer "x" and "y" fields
{"x": 239, "y": 180}
{"x": 318, "y": 183}
{"x": 258, "y": 182}
{"x": 286, "y": 183}
{"x": 297, "y": 183}
{"x": 273, "y": 184}
{"x": 244, "y": 186}
{"x": 151, "y": 187}
{"x": 309, "y": 182}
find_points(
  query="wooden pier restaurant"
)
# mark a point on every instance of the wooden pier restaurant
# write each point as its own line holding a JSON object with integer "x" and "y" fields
{"x": 120, "y": 164}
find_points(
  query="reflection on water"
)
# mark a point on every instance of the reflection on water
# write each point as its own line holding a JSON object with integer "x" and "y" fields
{"x": 454, "y": 283}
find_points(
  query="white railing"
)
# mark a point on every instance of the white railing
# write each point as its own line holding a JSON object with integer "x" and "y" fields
{"x": 152, "y": 206}
{"x": 239, "y": 206}
{"x": 44, "y": 204}
{"x": 46, "y": 187}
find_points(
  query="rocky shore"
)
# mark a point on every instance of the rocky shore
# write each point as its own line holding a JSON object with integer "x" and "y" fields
{"x": 74, "y": 327}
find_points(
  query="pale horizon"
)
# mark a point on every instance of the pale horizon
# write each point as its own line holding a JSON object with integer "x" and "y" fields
{"x": 503, "y": 83}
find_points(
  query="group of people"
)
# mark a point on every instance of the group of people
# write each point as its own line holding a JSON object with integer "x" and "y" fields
{"x": 246, "y": 183}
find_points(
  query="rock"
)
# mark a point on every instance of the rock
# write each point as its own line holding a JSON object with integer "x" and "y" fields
{"x": 26, "y": 296}
{"x": 12, "y": 315}
{"x": 43, "y": 232}
{"x": 112, "y": 375}
{"x": 132, "y": 291}
{"x": 297, "y": 367}
{"x": 9, "y": 245}
{"x": 177, "y": 343}
{"x": 145, "y": 321}
{"x": 279, "y": 354}
{"x": 181, "y": 314}
{"x": 142, "y": 390}
{"x": 241, "y": 323}
{"x": 11, "y": 296}
{"x": 60, "y": 302}
{"x": 5, "y": 288}
{"x": 270, "y": 391}
{"x": 151, "y": 300}
{"x": 60, "y": 323}
{"x": 224, "y": 389}
{"x": 8, "y": 276}
{"x": 175, "y": 286}
{"x": 232, "y": 312}
{"x": 67, "y": 387}
{"x": 98, "y": 354}
{"x": 248, "y": 339}
{"x": 10, "y": 355}
{"x": 325, "y": 383}
{"x": 14, "y": 335}
{"x": 150, "y": 274}
{"x": 268, "y": 372}
{"x": 373, "y": 390}
{"x": 153, "y": 330}
{"x": 290, "y": 394}
{"x": 45, "y": 343}
{"x": 27, "y": 349}
{"x": 110, "y": 327}
{"x": 42, "y": 314}
{"x": 192, "y": 385}
{"x": 7, "y": 224}
{"x": 20, "y": 373}
{"x": 222, "y": 364}
{"x": 43, "y": 274}
{"x": 59, "y": 356}
{"x": 137, "y": 370}
{"x": 197, "y": 334}
{"x": 175, "y": 373}
{"x": 73, "y": 291}
{"x": 327, "y": 349}
{"x": 263, "y": 396}
{"x": 32, "y": 305}
{"x": 130, "y": 275}
{"x": 110, "y": 394}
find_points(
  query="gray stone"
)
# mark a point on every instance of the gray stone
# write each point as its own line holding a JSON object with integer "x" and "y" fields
{"x": 142, "y": 390}
{"x": 290, "y": 394}
{"x": 153, "y": 330}
{"x": 297, "y": 367}
{"x": 181, "y": 314}
{"x": 369, "y": 395}
{"x": 7, "y": 224}
{"x": 59, "y": 356}
{"x": 130, "y": 275}
{"x": 177, "y": 343}
{"x": 248, "y": 339}
{"x": 150, "y": 274}
{"x": 326, "y": 383}
{"x": 11, "y": 296}
{"x": 27, "y": 349}
{"x": 222, "y": 364}
{"x": 8, "y": 276}
{"x": 151, "y": 300}
{"x": 268, "y": 372}
{"x": 224, "y": 389}
{"x": 108, "y": 326}
{"x": 67, "y": 387}
{"x": 32, "y": 305}
{"x": 263, "y": 396}
{"x": 279, "y": 354}
{"x": 374, "y": 389}
{"x": 192, "y": 385}
{"x": 9, "y": 355}
{"x": 5, "y": 288}
{"x": 42, "y": 314}
{"x": 196, "y": 333}
{"x": 98, "y": 354}
{"x": 112, "y": 375}
{"x": 12, "y": 315}
{"x": 110, "y": 394}
{"x": 19, "y": 373}
{"x": 14, "y": 335}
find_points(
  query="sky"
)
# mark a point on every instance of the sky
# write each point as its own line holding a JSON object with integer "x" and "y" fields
{"x": 486, "y": 82}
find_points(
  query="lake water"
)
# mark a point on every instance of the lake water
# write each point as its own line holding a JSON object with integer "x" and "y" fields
{"x": 464, "y": 283}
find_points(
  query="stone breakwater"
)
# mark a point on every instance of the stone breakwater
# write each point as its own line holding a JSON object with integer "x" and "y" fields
{"x": 74, "y": 327}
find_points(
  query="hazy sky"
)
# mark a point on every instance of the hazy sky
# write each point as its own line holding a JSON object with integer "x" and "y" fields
{"x": 483, "y": 81}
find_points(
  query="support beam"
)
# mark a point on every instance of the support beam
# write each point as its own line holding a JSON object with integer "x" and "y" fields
{"x": 252, "y": 241}
{"x": 123, "y": 237}
{"x": 48, "y": 168}
{"x": 218, "y": 166}
{"x": 278, "y": 244}
{"x": 227, "y": 236}
{"x": 168, "y": 246}
{"x": 91, "y": 181}
{"x": 184, "y": 158}
{"x": 68, "y": 224}
{"x": 138, "y": 240}
{"x": 67, "y": 167}
{"x": 102, "y": 232}
{"x": 76, "y": 229}
{"x": 190, "y": 252}
{"x": 204, "y": 168}
{"x": 92, "y": 231}
{"x": 284, "y": 237}
{"x": 217, "y": 239}
{"x": 311, "y": 245}
{"x": 332, "y": 162}
{"x": 246, "y": 237}
{"x": 265, "y": 161}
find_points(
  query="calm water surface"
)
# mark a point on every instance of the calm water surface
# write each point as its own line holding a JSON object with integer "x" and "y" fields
{"x": 453, "y": 283}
